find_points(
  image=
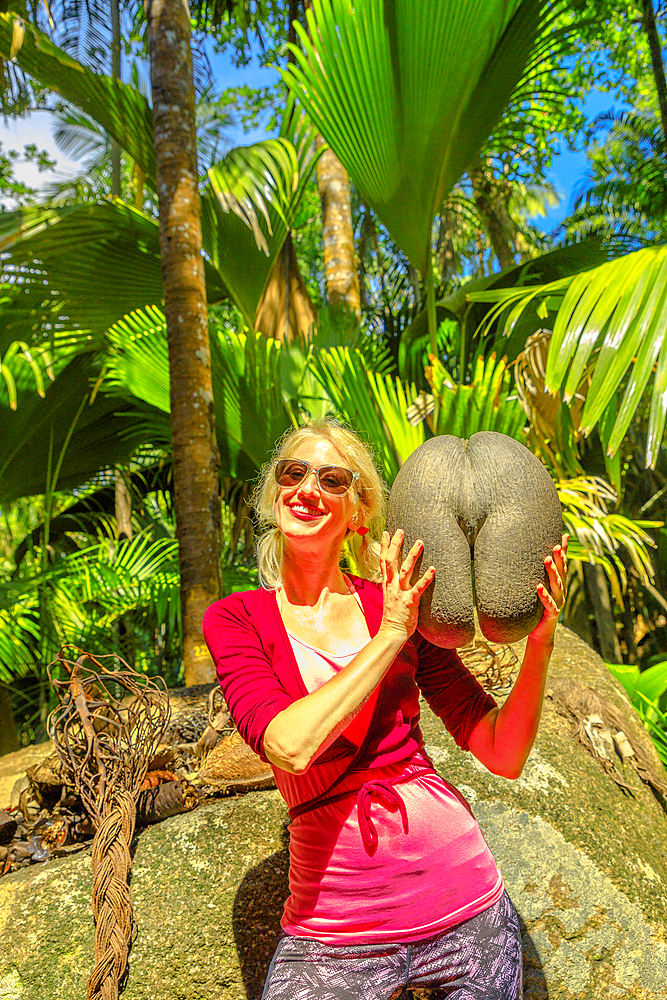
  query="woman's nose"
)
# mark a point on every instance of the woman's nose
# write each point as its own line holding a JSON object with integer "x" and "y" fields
{"x": 309, "y": 483}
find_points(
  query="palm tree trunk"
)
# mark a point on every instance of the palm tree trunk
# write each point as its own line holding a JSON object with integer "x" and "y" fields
{"x": 598, "y": 595}
{"x": 195, "y": 452}
{"x": 8, "y": 740}
{"x": 656, "y": 61}
{"x": 337, "y": 233}
{"x": 492, "y": 207}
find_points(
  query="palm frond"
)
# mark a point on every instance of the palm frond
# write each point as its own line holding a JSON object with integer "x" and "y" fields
{"x": 124, "y": 113}
{"x": 613, "y": 317}
{"x": 597, "y": 535}
{"x": 19, "y": 351}
{"x": 78, "y": 135}
{"x": 482, "y": 405}
{"x": 138, "y": 362}
{"x": 18, "y": 632}
{"x": 250, "y": 413}
{"x": 250, "y": 410}
{"x": 88, "y": 432}
{"x": 250, "y": 207}
{"x": 97, "y": 261}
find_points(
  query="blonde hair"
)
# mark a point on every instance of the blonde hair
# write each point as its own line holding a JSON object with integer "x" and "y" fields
{"x": 359, "y": 553}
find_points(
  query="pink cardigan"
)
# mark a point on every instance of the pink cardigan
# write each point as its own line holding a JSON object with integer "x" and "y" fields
{"x": 259, "y": 677}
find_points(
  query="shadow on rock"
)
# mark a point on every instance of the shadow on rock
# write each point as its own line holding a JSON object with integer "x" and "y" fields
{"x": 258, "y": 907}
{"x": 534, "y": 981}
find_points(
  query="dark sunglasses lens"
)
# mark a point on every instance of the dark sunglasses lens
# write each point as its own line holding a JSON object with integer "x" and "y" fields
{"x": 333, "y": 479}
{"x": 290, "y": 472}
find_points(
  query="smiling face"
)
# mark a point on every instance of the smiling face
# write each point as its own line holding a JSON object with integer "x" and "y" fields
{"x": 305, "y": 512}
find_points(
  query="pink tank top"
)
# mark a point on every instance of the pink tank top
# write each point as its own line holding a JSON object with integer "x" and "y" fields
{"x": 400, "y": 857}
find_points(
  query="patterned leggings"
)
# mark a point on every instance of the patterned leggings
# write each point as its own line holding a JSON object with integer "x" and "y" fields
{"x": 479, "y": 959}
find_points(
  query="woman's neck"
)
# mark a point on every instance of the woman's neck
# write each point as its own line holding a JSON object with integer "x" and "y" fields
{"x": 310, "y": 581}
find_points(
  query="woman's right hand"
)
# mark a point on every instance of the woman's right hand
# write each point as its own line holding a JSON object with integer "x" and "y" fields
{"x": 401, "y": 601}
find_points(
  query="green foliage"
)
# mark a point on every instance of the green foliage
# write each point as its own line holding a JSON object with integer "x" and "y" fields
{"x": 598, "y": 536}
{"x": 627, "y": 191}
{"x": 481, "y": 405}
{"x": 123, "y": 112}
{"x": 96, "y": 262}
{"x": 19, "y": 351}
{"x": 82, "y": 431}
{"x": 406, "y": 95}
{"x": 647, "y": 690}
{"x": 250, "y": 412}
{"x": 255, "y": 193}
{"x": 374, "y": 404}
{"x": 611, "y": 321}
{"x": 10, "y": 186}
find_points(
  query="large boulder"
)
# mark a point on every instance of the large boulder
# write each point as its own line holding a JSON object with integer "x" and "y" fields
{"x": 584, "y": 859}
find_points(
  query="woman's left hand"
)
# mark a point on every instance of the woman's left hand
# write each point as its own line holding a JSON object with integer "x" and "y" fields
{"x": 554, "y": 601}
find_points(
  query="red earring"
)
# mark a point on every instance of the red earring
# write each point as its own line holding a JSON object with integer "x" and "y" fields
{"x": 363, "y": 530}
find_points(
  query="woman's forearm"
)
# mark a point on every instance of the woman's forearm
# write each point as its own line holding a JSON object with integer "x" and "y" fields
{"x": 298, "y": 734}
{"x": 504, "y": 737}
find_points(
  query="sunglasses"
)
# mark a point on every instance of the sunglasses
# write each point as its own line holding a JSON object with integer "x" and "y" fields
{"x": 330, "y": 478}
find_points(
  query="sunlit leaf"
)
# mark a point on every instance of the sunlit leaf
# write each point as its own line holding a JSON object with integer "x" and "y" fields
{"x": 613, "y": 317}
{"x": 406, "y": 94}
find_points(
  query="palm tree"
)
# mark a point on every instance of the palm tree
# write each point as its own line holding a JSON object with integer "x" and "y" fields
{"x": 626, "y": 191}
{"x": 194, "y": 447}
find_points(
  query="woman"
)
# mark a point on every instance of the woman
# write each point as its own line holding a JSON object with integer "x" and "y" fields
{"x": 392, "y": 883}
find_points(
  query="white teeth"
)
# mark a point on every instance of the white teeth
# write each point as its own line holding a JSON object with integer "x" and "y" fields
{"x": 305, "y": 510}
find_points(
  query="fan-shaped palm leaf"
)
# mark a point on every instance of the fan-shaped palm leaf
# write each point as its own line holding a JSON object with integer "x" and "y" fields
{"x": 614, "y": 319}
{"x": 123, "y": 112}
{"x": 250, "y": 411}
{"x": 94, "y": 513}
{"x": 98, "y": 262}
{"x": 406, "y": 95}
{"x": 18, "y": 631}
{"x": 89, "y": 591}
{"x": 482, "y": 405}
{"x": 78, "y": 135}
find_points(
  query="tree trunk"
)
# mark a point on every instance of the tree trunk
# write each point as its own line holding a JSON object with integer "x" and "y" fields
{"x": 445, "y": 249}
{"x": 8, "y": 740}
{"x": 598, "y": 593}
{"x": 491, "y": 202}
{"x": 337, "y": 233}
{"x": 656, "y": 61}
{"x": 122, "y": 505}
{"x": 195, "y": 452}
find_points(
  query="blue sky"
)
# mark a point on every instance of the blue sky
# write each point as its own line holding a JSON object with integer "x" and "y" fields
{"x": 567, "y": 174}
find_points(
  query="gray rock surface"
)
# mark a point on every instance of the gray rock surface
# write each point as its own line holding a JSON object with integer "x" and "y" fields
{"x": 584, "y": 862}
